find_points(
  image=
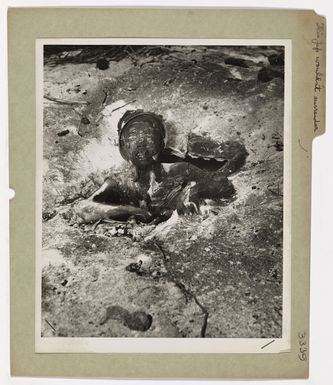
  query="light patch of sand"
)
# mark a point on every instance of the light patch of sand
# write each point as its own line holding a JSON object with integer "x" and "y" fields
{"x": 99, "y": 154}
{"x": 102, "y": 154}
{"x": 52, "y": 257}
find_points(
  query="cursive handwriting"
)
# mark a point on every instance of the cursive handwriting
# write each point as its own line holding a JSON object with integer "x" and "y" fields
{"x": 318, "y": 75}
{"x": 317, "y": 42}
{"x": 317, "y": 46}
{"x": 315, "y": 113}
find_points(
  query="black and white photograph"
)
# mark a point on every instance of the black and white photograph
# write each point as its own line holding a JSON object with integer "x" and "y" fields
{"x": 162, "y": 189}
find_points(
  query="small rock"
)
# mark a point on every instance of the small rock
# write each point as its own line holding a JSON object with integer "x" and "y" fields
{"x": 276, "y": 59}
{"x": 102, "y": 64}
{"x": 267, "y": 74}
{"x": 236, "y": 62}
{"x": 47, "y": 215}
{"x": 139, "y": 320}
{"x": 134, "y": 267}
{"x": 63, "y": 133}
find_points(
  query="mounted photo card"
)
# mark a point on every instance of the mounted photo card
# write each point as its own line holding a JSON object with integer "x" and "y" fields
{"x": 161, "y": 162}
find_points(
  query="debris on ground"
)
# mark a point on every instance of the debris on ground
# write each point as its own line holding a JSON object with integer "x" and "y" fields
{"x": 210, "y": 244}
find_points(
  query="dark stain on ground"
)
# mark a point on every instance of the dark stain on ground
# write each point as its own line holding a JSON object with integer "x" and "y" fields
{"x": 137, "y": 320}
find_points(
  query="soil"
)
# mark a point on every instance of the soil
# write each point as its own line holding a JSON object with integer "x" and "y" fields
{"x": 213, "y": 274}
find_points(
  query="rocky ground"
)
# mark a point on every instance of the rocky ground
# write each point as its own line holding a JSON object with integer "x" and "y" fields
{"x": 216, "y": 274}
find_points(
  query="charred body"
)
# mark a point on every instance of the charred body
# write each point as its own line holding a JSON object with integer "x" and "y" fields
{"x": 165, "y": 180}
{"x": 141, "y": 141}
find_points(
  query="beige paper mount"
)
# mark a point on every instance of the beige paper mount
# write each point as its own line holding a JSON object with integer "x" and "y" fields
{"x": 305, "y": 31}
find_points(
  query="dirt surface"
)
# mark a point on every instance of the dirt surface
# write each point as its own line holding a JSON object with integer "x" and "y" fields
{"x": 214, "y": 274}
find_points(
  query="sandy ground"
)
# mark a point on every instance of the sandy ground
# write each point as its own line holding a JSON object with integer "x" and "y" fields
{"x": 207, "y": 275}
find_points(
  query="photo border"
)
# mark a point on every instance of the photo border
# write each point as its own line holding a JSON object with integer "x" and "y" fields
{"x": 165, "y": 344}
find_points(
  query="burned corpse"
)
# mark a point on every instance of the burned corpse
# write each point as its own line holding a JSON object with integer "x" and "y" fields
{"x": 141, "y": 141}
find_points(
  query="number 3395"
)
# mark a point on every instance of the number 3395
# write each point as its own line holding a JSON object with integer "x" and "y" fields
{"x": 302, "y": 355}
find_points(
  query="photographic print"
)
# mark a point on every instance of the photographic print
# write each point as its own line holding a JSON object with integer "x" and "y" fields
{"x": 162, "y": 195}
